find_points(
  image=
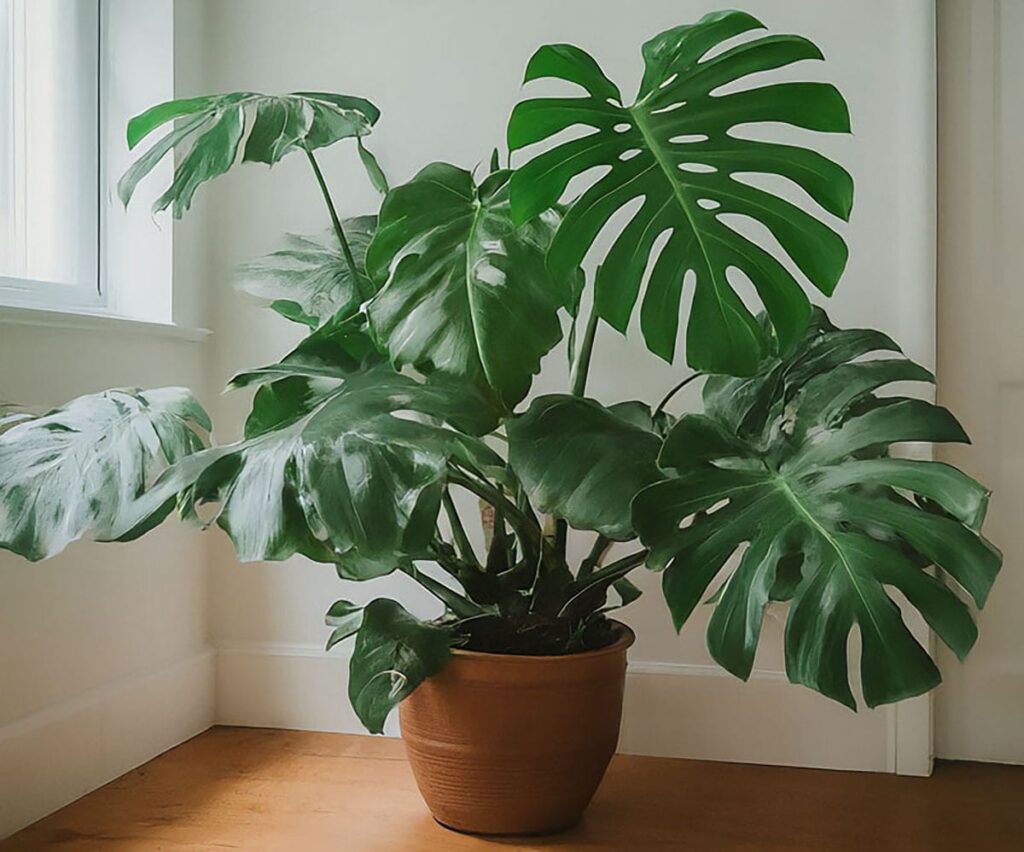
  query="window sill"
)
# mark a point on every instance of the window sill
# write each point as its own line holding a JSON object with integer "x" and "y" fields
{"x": 99, "y": 322}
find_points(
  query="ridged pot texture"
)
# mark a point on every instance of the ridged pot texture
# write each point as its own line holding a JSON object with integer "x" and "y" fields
{"x": 506, "y": 744}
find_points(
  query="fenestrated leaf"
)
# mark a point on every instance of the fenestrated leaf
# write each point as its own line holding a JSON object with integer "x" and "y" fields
{"x": 345, "y": 618}
{"x": 213, "y": 128}
{"x": 395, "y": 652}
{"x": 309, "y": 280}
{"x": 463, "y": 291}
{"x": 76, "y": 470}
{"x": 673, "y": 149}
{"x": 582, "y": 462}
{"x": 795, "y": 464}
{"x": 353, "y": 476}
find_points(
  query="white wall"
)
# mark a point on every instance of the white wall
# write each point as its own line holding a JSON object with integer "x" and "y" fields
{"x": 980, "y": 708}
{"x": 446, "y": 75}
{"x": 104, "y": 659}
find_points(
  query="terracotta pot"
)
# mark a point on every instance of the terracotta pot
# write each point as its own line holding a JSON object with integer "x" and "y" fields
{"x": 506, "y": 744}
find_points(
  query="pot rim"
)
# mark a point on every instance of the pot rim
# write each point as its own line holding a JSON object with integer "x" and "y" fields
{"x": 626, "y": 638}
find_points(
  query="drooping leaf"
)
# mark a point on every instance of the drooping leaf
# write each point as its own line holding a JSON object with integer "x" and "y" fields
{"x": 394, "y": 653}
{"x": 346, "y": 619}
{"x": 674, "y": 149}
{"x": 580, "y": 461}
{"x": 332, "y": 352}
{"x": 463, "y": 291}
{"x": 794, "y": 463}
{"x": 309, "y": 280}
{"x": 76, "y": 470}
{"x": 351, "y": 473}
{"x": 373, "y": 169}
{"x": 212, "y": 128}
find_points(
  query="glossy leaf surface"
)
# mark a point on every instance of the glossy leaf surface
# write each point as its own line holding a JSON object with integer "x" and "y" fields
{"x": 394, "y": 653}
{"x": 346, "y": 619}
{"x": 210, "y": 130}
{"x": 580, "y": 461}
{"x": 462, "y": 290}
{"x": 794, "y": 465}
{"x": 78, "y": 469}
{"x": 309, "y": 281}
{"x": 676, "y": 152}
{"x": 353, "y": 476}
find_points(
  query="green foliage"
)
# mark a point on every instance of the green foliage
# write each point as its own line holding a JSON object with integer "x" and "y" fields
{"x": 462, "y": 290}
{"x": 346, "y": 619}
{"x": 373, "y": 170}
{"x": 309, "y": 281}
{"x": 609, "y": 460}
{"x": 794, "y": 463}
{"x": 345, "y": 479}
{"x": 394, "y": 653}
{"x": 425, "y": 327}
{"x": 75, "y": 470}
{"x": 210, "y": 130}
{"x": 673, "y": 149}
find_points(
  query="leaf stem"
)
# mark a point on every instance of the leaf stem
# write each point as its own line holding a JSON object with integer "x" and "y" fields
{"x": 465, "y": 549}
{"x": 607, "y": 575}
{"x": 597, "y": 552}
{"x": 673, "y": 392}
{"x": 578, "y": 383}
{"x": 346, "y": 249}
{"x": 581, "y": 367}
{"x": 525, "y": 528}
{"x": 461, "y": 606}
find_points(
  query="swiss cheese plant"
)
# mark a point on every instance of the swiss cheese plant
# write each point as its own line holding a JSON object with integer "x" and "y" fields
{"x": 426, "y": 322}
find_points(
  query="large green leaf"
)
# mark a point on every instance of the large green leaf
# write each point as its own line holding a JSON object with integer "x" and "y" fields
{"x": 349, "y": 469}
{"x": 795, "y": 465}
{"x": 673, "y": 149}
{"x": 463, "y": 291}
{"x": 395, "y": 652}
{"x": 211, "y": 128}
{"x": 581, "y": 461}
{"x": 309, "y": 280}
{"x": 76, "y": 470}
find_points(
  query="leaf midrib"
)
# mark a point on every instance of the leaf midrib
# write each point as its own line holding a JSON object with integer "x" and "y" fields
{"x": 783, "y": 485}
{"x": 671, "y": 175}
{"x": 478, "y": 208}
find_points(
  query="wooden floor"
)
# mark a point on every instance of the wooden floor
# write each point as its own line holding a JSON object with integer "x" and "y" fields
{"x": 247, "y": 788}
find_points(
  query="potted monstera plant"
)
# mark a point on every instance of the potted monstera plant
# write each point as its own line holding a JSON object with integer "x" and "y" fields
{"x": 426, "y": 324}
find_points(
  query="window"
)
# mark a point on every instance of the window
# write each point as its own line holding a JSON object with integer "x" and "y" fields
{"x": 72, "y": 73}
{"x": 50, "y": 135}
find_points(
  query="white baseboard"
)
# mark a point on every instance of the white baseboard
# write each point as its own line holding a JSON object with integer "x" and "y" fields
{"x": 704, "y": 713}
{"x": 276, "y": 685}
{"x": 52, "y": 757}
{"x": 670, "y": 710}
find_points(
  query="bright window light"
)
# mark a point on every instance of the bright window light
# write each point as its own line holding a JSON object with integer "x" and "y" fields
{"x": 49, "y": 153}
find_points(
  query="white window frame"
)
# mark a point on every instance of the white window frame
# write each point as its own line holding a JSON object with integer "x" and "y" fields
{"x": 88, "y": 295}
{"x": 135, "y": 249}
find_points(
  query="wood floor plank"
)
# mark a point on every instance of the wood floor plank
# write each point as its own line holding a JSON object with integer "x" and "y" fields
{"x": 256, "y": 789}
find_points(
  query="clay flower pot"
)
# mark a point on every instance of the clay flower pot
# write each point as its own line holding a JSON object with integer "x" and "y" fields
{"x": 506, "y": 744}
